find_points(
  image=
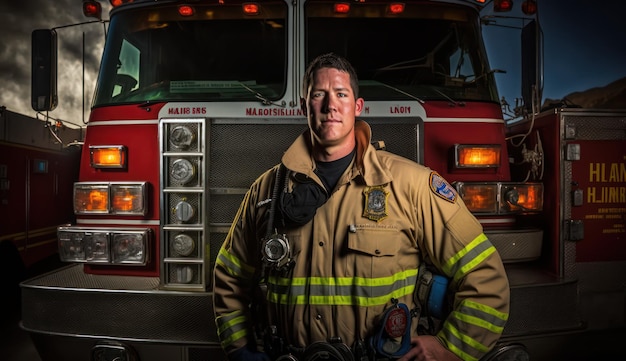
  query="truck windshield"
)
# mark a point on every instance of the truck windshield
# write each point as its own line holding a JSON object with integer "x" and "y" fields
{"x": 156, "y": 54}
{"x": 427, "y": 51}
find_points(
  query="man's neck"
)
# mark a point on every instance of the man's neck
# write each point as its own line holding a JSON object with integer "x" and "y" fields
{"x": 332, "y": 153}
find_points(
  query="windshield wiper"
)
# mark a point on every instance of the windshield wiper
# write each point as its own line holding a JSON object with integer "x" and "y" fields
{"x": 452, "y": 101}
{"x": 264, "y": 100}
{"x": 421, "y": 101}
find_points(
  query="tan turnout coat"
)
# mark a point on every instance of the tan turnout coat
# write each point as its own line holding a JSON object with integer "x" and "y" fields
{"x": 362, "y": 249}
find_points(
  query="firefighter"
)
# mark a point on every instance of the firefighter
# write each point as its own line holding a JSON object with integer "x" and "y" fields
{"x": 336, "y": 234}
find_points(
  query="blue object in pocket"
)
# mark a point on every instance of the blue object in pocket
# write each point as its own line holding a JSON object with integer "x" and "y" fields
{"x": 437, "y": 297}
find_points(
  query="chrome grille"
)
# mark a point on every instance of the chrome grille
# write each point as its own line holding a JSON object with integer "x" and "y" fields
{"x": 183, "y": 203}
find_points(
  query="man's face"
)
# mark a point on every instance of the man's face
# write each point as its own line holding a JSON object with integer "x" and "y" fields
{"x": 332, "y": 108}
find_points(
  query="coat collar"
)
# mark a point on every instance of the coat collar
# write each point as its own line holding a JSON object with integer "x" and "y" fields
{"x": 367, "y": 165}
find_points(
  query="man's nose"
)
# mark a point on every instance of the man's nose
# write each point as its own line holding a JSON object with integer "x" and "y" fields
{"x": 329, "y": 104}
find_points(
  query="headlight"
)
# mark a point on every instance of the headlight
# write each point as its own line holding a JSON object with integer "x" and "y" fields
{"x": 128, "y": 248}
{"x": 98, "y": 246}
{"x": 183, "y": 244}
{"x": 182, "y": 137}
{"x": 527, "y": 197}
{"x": 182, "y": 171}
{"x": 128, "y": 199}
{"x": 501, "y": 197}
{"x": 91, "y": 198}
{"x": 479, "y": 198}
{"x": 110, "y": 198}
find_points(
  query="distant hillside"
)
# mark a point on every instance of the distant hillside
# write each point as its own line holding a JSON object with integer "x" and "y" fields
{"x": 611, "y": 96}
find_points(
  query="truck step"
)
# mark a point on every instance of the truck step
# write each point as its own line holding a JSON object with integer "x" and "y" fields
{"x": 541, "y": 303}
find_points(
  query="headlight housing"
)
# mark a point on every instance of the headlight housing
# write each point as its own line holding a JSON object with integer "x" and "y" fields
{"x": 110, "y": 198}
{"x": 501, "y": 197}
{"x": 104, "y": 245}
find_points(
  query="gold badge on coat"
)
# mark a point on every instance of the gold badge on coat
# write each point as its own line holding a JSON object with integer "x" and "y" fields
{"x": 375, "y": 203}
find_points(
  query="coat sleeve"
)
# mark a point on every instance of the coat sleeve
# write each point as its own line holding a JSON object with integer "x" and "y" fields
{"x": 236, "y": 274}
{"x": 454, "y": 242}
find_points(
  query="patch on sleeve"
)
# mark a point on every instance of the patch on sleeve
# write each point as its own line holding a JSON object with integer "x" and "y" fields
{"x": 440, "y": 187}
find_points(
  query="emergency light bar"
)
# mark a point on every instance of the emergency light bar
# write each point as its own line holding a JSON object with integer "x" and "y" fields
{"x": 344, "y": 8}
{"x": 94, "y": 9}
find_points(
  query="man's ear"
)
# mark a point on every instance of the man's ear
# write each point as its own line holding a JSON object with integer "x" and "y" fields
{"x": 303, "y": 106}
{"x": 358, "y": 108}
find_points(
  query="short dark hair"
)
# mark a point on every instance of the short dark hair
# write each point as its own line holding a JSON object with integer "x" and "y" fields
{"x": 334, "y": 61}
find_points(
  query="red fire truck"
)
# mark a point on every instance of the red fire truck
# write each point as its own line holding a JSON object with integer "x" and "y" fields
{"x": 37, "y": 171}
{"x": 195, "y": 99}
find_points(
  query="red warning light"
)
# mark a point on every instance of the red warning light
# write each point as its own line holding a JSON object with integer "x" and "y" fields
{"x": 396, "y": 8}
{"x": 342, "y": 8}
{"x": 251, "y": 9}
{"x": 502, "y": 5}
{"x": 529, "y": 7}
{"x": 185, "y": 10}
{"x": 116, "y": 3}
{"x": 92, "y": 9}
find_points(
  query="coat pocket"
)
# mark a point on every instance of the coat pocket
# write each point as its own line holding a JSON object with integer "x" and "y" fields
{"x": 376, "y": 243}
{"x": 374, "y": 253}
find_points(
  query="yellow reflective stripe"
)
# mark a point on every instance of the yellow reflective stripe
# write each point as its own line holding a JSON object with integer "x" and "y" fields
{"x": 470, "y": 265}
{"x": 231, "y": 327}
{"x": 227, "y": 325}
{"x": 225, "y": 321}
{"x": 477, "y": 321}
{"x": 456, "y": 341}
{"x": 468, "y": 257}
{"x": 233, "y": 265}
{"x": 225, "y": 342}
{"x": 359, "y": 291}
{"x": 360, "y": 301}
{"x": 503, "y": 316}
{"x": 338, "y": 300}
{"x": 471, "y": 313}
{"x": 343, "y": 281}
{"x": 447, "y": 267}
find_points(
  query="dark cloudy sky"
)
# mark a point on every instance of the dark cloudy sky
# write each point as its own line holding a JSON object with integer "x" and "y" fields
{"x": 17, "y": 21}
{"x": 585, "y": 47}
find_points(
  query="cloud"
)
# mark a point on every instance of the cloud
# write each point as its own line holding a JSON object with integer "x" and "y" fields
{"x": 17, "y": 21}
